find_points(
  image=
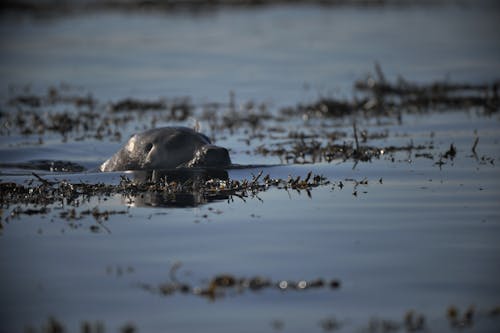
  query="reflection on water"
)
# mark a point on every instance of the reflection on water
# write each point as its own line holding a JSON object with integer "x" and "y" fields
{"x": 190, "y": 180}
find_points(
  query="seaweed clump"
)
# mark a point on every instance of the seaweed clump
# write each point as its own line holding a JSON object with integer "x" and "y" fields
{"x": 377, "y": 96}
{"x": 39, "y": 194}
{"x": 223, "y": 284}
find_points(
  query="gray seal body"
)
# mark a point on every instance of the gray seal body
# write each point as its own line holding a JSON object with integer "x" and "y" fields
{"x": 167, "y": 148}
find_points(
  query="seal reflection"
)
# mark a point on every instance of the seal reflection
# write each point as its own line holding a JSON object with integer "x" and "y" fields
{"x": 186, "y": 184}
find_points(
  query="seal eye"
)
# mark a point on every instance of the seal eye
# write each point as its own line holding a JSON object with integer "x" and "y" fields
{"x": 148, "y": 147}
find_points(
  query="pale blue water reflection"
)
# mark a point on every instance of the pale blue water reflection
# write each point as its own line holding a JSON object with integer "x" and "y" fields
{"x": 260, "y": 54}
{"x": 422, "y": 239}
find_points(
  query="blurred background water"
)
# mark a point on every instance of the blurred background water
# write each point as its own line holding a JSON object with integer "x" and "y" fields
{"x": 265, "y": 53}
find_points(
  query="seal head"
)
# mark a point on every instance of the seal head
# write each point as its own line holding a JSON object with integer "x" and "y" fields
{"x": 167, "y": 148}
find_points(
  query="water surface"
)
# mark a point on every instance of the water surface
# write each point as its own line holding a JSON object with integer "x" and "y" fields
{"x": 402, "y": 232}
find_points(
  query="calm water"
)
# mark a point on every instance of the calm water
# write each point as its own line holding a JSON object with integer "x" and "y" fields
{"x": 260, "y": 54}
{"x": 423, "y": 238}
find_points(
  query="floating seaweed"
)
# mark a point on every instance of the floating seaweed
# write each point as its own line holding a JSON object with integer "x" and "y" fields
{"x": 436, "y": 95}
{"x": 43, "y": 193}
{"x": 221, "y": 285}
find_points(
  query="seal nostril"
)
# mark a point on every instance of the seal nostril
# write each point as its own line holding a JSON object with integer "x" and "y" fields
{"x": 148, "y": 147}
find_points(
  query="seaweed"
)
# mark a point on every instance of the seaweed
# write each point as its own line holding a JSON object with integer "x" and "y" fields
{"x": 222, "y": 284}
{"x": 167, "y": 191}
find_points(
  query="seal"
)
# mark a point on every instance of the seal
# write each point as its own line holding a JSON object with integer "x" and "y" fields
{"x": 167, "y": 148}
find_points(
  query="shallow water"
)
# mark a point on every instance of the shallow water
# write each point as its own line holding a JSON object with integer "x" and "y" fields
{"x": 417, "y": 236}
{"x": 261, "y": 54}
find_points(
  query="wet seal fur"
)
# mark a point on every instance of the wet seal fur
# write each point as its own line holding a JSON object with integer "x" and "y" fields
{"x": 167, "y": 148}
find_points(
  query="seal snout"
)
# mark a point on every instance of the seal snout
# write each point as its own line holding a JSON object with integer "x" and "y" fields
{"x": 216, "y": 156}
{"x": 210, "y": 156}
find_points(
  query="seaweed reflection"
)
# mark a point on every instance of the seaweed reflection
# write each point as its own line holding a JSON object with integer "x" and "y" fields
{"x": 186, "y": 187}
